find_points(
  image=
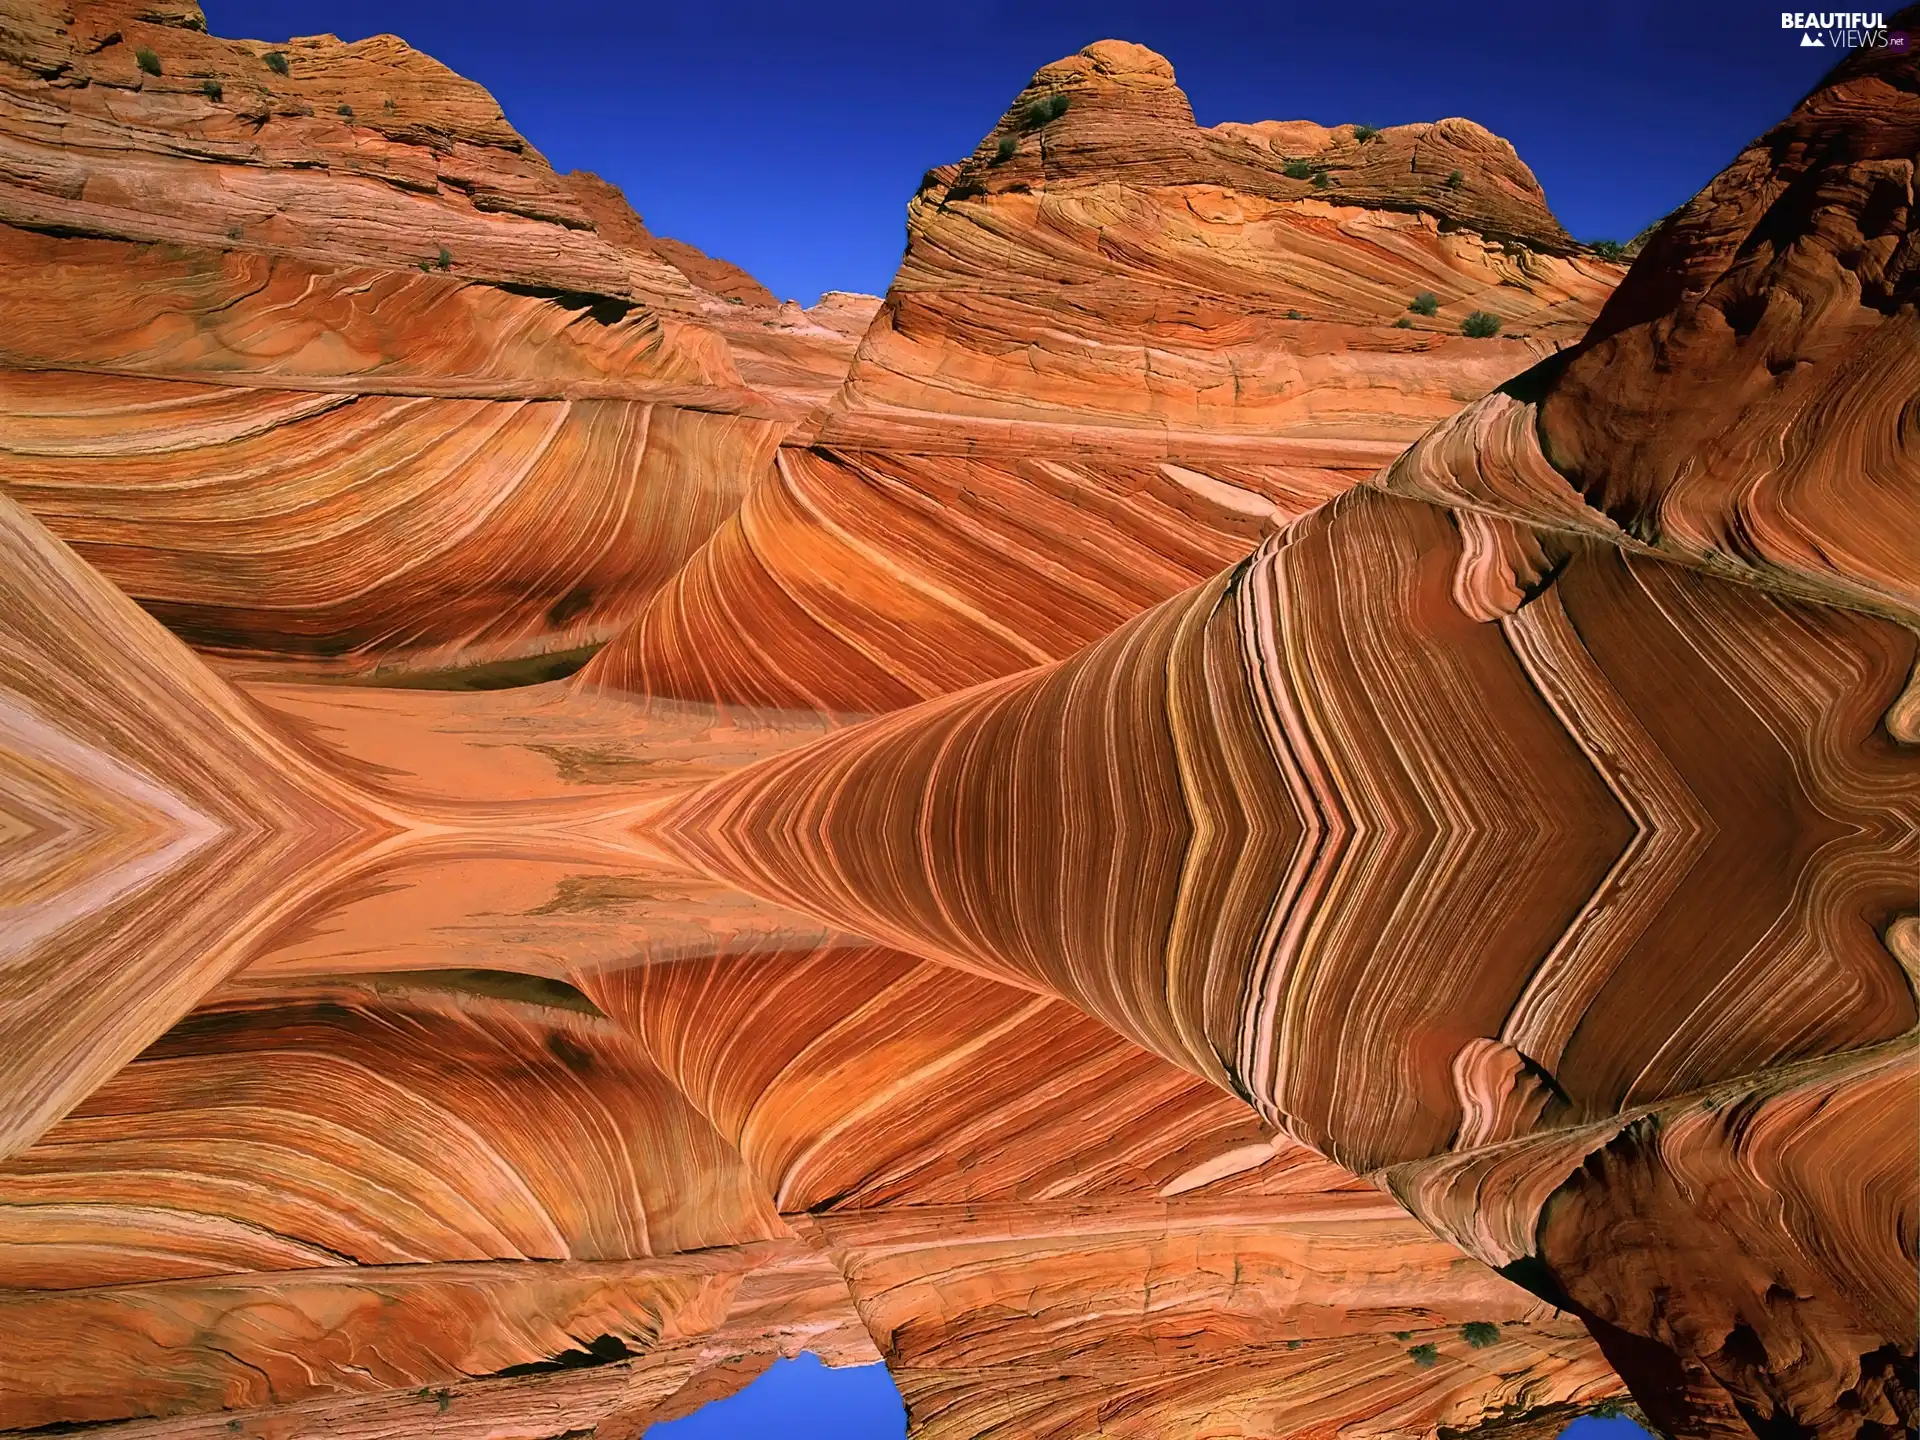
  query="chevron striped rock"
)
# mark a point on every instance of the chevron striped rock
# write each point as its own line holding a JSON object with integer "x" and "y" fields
{"x": 1161, "y": 868}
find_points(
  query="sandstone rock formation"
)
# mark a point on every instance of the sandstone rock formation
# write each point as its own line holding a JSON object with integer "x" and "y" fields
{"x": 325, "y": 366}
{"x": 1120, "y": 349}
{"x": 1092, "y": 872}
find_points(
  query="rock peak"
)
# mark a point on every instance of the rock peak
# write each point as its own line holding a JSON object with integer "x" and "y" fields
{"x": 1116, "y": 58}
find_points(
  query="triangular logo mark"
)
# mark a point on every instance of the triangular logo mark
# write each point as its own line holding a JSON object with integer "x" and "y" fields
{"x": 1810, "y": 42}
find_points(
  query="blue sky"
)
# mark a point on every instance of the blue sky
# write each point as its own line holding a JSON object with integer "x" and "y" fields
{"x": 786, "y": 137}
{"x": 803, "y": 1400}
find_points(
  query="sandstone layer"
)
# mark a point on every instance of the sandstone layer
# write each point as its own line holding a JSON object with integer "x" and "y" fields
{"x": 1091, "y": 871}
{"x": 312, "y": 354}
{"x": 1119, "y": 351}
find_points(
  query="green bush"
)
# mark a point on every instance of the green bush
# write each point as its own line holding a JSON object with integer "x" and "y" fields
{"x": 1295, "y": 315}
{"x": 147, "y": 60}
{"x": 1608, "y": 1410}
{"x": 1045, "y": 109}
{"x": 1480, "y": 325}
{"x": 1364, "y": 133}
{"x": 345, "y": 112}
{"x": 1321, "y": 180}
{"x": 1480, "y": 1333}
{"x": 1455, "y": 180}
{"x": 1005, "y": 151}
{"x": 1609, "y": 249}
{"x": 276, "y": 62}
{"x": 388, "y": 105}
{"x": 445, "y": 259}
{"x": 212, "y": 90}
{"x": 1425, "y": 1356}
{"x": 1403, "y": 323}
{"x": 1403, "y": 1334}
{"x": 1298, "y": 170}
{"x": 1425, "y": 303}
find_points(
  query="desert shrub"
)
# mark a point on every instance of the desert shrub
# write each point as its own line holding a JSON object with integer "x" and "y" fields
{"x": 1424, "y": 1356}
{"x": 1295, "y": 1344}
{"x": 1609, "y": 249}
{"x": 147, "y": 60}
{"x": 1321, "y": 180}
{"x": 1403, "y": 323}
{"x": 1005, "y": 150}
{"x": 1403, "y": 1334}
{"x": 212, "y": 90}
{"x": 1480, "y": 325}
{"x": 388, "y": 105}
{"x": 1480, "y": 1333}
{"x": 1425, "y": 303}
{"x": 1455, "y": 180}
{"x": 1608, "y": 1410}
{"x": 1298, "y": 170}
{"x": 276, "y": 62}
{"x": 1047, "y": 108}
{"x": 444, "y": 259}
{"x": 236, "y": 232}
{"x": 1364, "y": 133}
{"x": 345, "y": 112}
{"x": 1295, "y": 315}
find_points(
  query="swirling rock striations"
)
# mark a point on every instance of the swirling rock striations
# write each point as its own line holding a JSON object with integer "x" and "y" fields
{"x": 1741, "y": 402}
{"x": 385, "y": 391}
{"x": 1050, "y": 1231}
{"x": 1120, "y": 349}
{"x": 1267, "y": 830}
{"x": 1295, "y": 957}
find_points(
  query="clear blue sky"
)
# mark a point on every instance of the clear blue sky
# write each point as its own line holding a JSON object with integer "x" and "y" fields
{"x": 786, "y": 137}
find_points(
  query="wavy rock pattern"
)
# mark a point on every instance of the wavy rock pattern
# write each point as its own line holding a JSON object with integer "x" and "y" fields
{"x": 331, "y": 372}
{"x": 1054, "y": 883}
{"x": 1113, "y": 358}
{"x": 1739, "y": 404}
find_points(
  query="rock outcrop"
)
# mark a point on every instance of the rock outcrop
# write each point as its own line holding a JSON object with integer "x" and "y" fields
{"x": 1127, "y": 856}
{"x": 316, "y": 357}
{"x": 1121, "y": 348}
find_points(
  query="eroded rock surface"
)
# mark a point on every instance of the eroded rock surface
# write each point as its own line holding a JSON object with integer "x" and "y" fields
{"x": 1311, "y": 937}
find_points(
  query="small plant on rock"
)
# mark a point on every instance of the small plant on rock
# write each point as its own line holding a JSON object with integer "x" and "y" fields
{"x": 1609, "y": 249}
{"x": 445, "y": 261}
{"x": 1298, "y": 170}
{"x": 1321, "y": 180}
{"x": 345, "y": 112}
{"x": 1425, "y": 1356}
{"x": 1364, "y": 133}
{"x": 1295, "y": 315}
{"x": 1610, "y": 1409}
{"x": 1005, "y": 150}
{"x": 1480, "y": 1333}
{"x": 1403, "y": 1334}
{"x": 276, "y": 61}
{"x": 1455, "y": 180}
{"x": 388, "y": 105}
{"x": 1480, "y": 325}
{"x": 1046, "y": 109}
{"x": 213, "y": 90}
{"x": 1425, "y": 303}
{"x": 1403, "y": 323}
{"x": 147, "y": 60}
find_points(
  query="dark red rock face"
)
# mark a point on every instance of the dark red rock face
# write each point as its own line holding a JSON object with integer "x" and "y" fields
{"x": 1158, "y": 851}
